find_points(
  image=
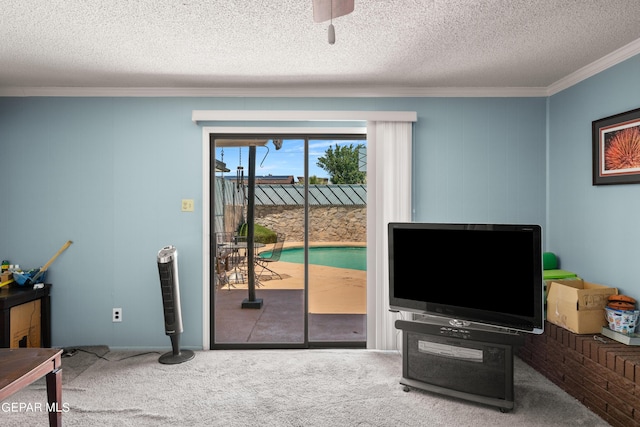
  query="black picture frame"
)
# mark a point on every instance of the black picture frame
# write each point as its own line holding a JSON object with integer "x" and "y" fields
{"x": 616, "y": 149}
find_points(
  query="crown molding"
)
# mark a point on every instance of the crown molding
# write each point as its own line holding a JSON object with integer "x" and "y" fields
{"x": 596, "y": 67}
{"x": 274, "y": 92}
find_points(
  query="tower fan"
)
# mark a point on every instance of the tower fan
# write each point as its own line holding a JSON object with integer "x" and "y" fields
{"x": 168, "y": 269}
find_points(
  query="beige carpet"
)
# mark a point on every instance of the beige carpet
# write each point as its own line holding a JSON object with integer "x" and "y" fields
{"x": 280, "y": 388}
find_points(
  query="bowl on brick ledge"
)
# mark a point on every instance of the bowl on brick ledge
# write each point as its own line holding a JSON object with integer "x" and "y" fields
{"x": 622, "y": 321}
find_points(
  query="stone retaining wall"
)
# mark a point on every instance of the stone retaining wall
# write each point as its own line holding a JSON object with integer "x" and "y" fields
{"x": 326, "y": 223}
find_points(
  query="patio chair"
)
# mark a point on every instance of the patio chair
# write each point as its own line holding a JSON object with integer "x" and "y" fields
{"x": 264, "y": 261}
{"x": 228, "y": 260}
{"x": 221, "y": 271}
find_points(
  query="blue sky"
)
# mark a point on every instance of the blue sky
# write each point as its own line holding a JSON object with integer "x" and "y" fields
{"x": 289, "y": 160}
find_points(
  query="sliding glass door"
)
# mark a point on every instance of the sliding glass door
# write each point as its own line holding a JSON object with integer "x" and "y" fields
{"x": 281, "y": 233}
{"x": 337, "y": 242}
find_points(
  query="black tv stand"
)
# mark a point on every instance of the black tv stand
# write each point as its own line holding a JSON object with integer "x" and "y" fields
{"x": 472, "y": 362}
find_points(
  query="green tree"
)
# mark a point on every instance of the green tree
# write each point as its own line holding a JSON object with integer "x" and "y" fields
{"x": 341, "y": 163}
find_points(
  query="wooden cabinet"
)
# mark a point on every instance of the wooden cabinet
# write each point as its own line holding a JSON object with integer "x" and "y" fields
{"x": 25, "y": 317}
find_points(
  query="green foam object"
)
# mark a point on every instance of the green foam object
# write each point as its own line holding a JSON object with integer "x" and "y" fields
{"x": 558, "y": 274}
{"x": 549, "y": 261}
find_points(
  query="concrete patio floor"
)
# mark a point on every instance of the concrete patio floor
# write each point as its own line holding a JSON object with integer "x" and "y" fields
{"x": 337, "y": 306}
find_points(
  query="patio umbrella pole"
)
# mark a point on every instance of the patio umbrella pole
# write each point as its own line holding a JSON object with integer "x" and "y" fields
{"x": 251, "y": 301}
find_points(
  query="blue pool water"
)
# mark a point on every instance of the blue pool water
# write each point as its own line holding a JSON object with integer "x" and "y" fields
{"x": 332, "y": 256}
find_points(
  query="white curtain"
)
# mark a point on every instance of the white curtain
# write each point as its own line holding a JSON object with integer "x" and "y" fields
{"x": 389, "y": 190}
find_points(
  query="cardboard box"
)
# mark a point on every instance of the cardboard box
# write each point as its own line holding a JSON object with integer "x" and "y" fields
{"x": 577, "y": 305}
{"x": 25, "y": 326}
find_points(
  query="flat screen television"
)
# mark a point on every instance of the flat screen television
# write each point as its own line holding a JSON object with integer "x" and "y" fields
{"x": 489, "y": 274}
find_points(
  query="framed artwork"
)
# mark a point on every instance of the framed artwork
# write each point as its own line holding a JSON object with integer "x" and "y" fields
{"x": 616, "y": 149}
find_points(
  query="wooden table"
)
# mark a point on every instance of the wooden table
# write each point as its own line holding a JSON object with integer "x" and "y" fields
{"x": 20, "y": 367}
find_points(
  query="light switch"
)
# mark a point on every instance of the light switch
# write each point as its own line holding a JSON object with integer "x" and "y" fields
{"x": 187, "y": 205}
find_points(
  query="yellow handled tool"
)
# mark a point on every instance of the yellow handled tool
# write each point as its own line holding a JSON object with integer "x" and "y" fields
{"x": 6, "y": 282}
{"x": 34, "y": 279}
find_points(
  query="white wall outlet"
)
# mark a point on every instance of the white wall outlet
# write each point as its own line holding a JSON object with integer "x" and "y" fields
{"x": 117, "y": 315}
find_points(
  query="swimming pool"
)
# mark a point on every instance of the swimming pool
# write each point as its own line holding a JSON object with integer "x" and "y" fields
{"x": 332, "y": 256}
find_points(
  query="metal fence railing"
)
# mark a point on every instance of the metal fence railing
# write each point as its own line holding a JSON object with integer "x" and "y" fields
{"x": 230, "y": 199}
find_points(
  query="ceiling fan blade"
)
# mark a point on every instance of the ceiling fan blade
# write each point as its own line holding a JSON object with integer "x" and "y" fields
{"x": 323, "y": 10}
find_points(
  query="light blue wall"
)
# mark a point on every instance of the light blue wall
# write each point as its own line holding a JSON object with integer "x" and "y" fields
{"x": 109, "y": 174}
{"x": 481, "y": 160}
{"x": 595, "y": 230}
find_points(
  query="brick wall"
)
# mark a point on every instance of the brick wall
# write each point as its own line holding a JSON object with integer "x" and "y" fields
{"x": 601, "y": 373}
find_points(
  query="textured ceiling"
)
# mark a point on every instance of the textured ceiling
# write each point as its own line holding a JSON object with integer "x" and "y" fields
{"x": 275, "y": 44}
